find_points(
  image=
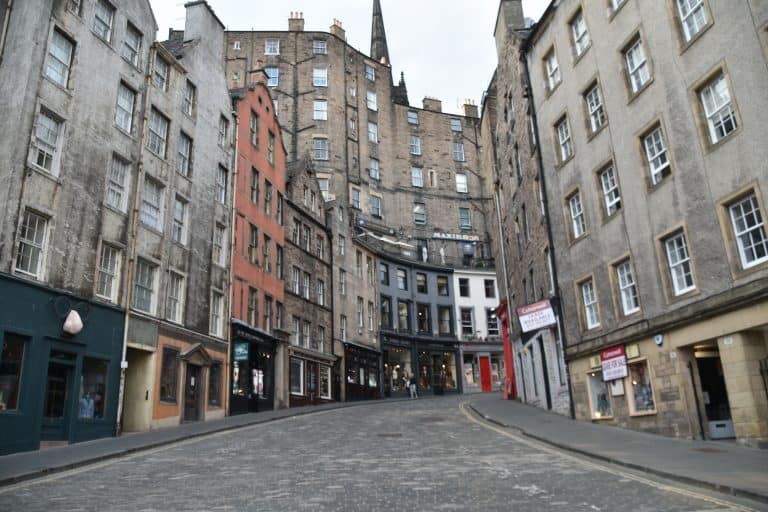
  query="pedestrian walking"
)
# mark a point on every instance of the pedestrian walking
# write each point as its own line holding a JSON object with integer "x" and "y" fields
{"x": 412, "y": 387}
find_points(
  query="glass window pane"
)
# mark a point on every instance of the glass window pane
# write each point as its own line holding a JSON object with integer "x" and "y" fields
{"x": 11, "y": 359}
{"x": 93, "y": 389}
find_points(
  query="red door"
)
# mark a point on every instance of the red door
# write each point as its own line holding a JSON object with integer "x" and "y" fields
{"x": 485, "y": 373}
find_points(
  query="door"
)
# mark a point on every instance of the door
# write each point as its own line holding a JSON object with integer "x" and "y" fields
{"x": 716, "y": 404}
{"x": 137, "y": 411}
{"x": 545, "y": 372}
{"x": 58, "y": 402}
{"x": 485, "y": 373}
{"x": 192, "y": 393}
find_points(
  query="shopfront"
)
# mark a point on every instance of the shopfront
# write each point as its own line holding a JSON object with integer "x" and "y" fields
{"x": 483, "y": 367}
{"x": 310, "y": 376}
{"x": 362, "y": 368}
{"x": 433, "y": 365}
{"x": 253, "y": 370}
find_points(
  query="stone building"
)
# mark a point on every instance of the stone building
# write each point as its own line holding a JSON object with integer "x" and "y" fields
{"x": 310, "y": 364}
{"x": 258, "y": 308}
{"x": 650, "y": 118}
{"x": 526, "y": 267}
{"x": 68, "y": 69}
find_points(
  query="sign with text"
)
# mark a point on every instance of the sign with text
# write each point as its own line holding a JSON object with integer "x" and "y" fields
{"x": 614, "y": 363}
{"x": 535, "y": 316}
{"x": 455, "y": 236}
{"x": 241, "y": 351}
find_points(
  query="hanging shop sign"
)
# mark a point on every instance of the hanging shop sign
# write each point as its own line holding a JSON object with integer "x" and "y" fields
{"x": 241, "y": 351}
{"x": 536, "y": 316}
{"x": 614, "y": 363}
{"x": 455, "y": 236}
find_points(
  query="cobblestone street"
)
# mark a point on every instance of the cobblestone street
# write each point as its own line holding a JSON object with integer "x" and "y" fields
{"x": 412, "y": 455}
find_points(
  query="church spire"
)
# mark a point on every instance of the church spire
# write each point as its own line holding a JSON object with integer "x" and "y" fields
{"x": 379, "y": 50}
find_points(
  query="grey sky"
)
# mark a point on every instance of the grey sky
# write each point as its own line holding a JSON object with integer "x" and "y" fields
{"x": 445, "y": 48}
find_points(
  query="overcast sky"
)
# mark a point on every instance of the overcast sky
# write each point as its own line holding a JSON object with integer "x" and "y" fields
{"x": 445, "y": 47}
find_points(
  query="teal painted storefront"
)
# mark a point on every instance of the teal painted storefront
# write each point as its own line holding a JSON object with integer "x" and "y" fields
{"x": 54, "y": 386}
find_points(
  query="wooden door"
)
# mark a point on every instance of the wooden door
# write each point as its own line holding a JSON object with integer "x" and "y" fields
{"x": 192, "y": 392}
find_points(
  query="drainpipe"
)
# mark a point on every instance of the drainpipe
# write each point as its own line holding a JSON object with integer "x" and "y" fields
{"x": 4, "y": 33}
{"x": 233, "y": 216}
{"x": 131, "y": 249}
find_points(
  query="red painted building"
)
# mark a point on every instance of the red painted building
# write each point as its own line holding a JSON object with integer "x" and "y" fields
{"x": 257, "y": 256}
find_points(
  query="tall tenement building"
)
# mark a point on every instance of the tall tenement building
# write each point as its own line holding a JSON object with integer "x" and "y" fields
{"x": 403, "y": 176}
{"x": 650, "y": 119}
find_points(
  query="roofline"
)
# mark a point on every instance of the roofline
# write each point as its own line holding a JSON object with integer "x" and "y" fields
{"x": 210, "y": 9}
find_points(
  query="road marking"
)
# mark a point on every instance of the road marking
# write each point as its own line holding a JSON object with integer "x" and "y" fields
{"x": 613, "y": 471}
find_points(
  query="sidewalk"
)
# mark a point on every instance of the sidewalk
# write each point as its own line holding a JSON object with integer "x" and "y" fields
{"x": 720, "y": 465}
{"x": 26, "y": 465}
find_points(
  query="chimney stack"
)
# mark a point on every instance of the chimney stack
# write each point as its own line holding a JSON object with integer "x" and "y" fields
{"x": 337, "y": 30}
{"x": 432, "y": 104}
{"x": 296, "y": 22}
{"x": 470, "y": 108}
{"x": 257, "y": 74}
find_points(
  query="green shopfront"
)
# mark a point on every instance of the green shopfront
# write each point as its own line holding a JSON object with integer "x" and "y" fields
{"x": 55, "y": 388}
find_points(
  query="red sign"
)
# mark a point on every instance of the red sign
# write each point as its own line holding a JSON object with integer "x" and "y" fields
{"x": 614, "y": 363}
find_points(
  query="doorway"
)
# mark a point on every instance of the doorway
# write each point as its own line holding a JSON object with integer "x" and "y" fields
{"x": 715, "y": 394}
{"x": 485, "y": 373}
{"x": 57, "y": 408}
{"x": 192, "y": 393}
{"x": 137, "y": 412}
{"x": 545, "y": 372}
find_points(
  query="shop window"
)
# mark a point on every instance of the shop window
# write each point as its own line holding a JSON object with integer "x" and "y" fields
{"x": 11, "y": 359}
{"x": 373, "y": 380}
{"x": 297, "y": 376}
{"x": 640, "y": 390}
{"x": 214, "y": 385}
{"x": 93, "y": 389}
{"x": 599, "y": 396}
{"x": 169, "y": 375}
{"x": 325, "y": 382}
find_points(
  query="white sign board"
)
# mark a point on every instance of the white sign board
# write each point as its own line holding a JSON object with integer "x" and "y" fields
{"x": 536, "y": 316}
{"x": 614, "y": 363}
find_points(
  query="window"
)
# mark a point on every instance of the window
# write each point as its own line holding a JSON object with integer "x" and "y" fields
{"x": 599, "y": 394}
{"x": 254, "y": 127}
{"x": 169, "y": 375}
{"x": 223, "y": 131}
{"x": 610, "y": 190}
{"x": 132, "y": 45}
{"x": 325, "y": 382}
{"x": 151, "y": 213}
{"x": 273, "y": 76}
{"x": 518, "y": 164}
{"x": 253, "y": 307}
{"x": 320, "y": 110}
{"x": 384, "y": 274}
{"x": 464, "y": 221}
{"x": 59, "y": 62}
{"x": 524, "y": 216}
{"x": 74, "y": 6}
{"x": 413, "y": 117}
{"x": 552, "y": 70}
{"x": 320, "y": 149}
{"x": 279, "y": 262}
{"x": 323, "y": 184}
{"x": 370, "y": 72}
{"x": 117, "y": 193}
{"x": 268, "y": 197}
{"x": 578, "y": 224}
{"x": 589, "y": 302}
{"x": 305, "y": 285}
{"x": 641, "y": 392}
{"x": 373, "y": 169}
{"x": 421, "y": 282}
{"x": 693, "y": 17}
{"x": 463, "y": 287}
{"x": 102, "y": 20}
{"x": 144, "y": 286}
{"x": 320, "y": 77}
{"x": 403, "y": 322}
{"x": 174, "y": 305}
{"x": 236, "y": 45}
{"x": 306, "y": 238}
{"x": 158, "y": 133}
{"x": 718, "y": 109}
{"x": 386, "y": 313}
{"x": 595, "y": 110}
{"x": 375, "y": 206}
{"x": 179, "y": 226}
{"x": 217, "y": 306}
{"x": 321, "y": 292}
{"x": 342, "y": 282}
{"x": 370, "y": 100}
{"x": 444, "y": 322}
{"x": 271, "y": 147}
{"x": 423, "y": 323}
{"x": 370, "y": 315}
{"x": 402, "y": 279}
{"x": 579, "y": 33}
{"x": 11, "y": 359}
{"x": 272, "y": 47}
{"x": 360, "y": 313}
{"x": 343, "y": 327}
{"x": 255, "y": 190}
{"x": 342, "y": 244}
{"x": 296, "y": 330}
{"x": 185, "y": 152}
{"x": 656, "y": 155}
{"x": 279, "y": 315}
{"x": 46, "y": 142}
{"x": 627, "y": 288}
{"x": 442, "y": 285}
{"x": 492, "y": 322}
{"x": 417, "y": 177}
{"x": 222, "y": 179}
{"x": 679, "y": 263}
{"x": 458, "y": 152}
{"x": 108, "y": 280}
{"x": 456, "y": 125}
{"x": 467, "y": 323}
{"x": 637, "y": 65}
{"x": 358, "y": 263}
{"x": 305, "y": 328}
{"x": 189, "y": 100}
{"x": 214, "y": 384}
{"x": 373, "y": 133}
{"x": 564, "y": 139}
{"x": 356, "y": 198}
{"x": 266, "y": 258}
{"x": 160, "y": 75}
{"x": 490, "y": 288}
{"x": 319, "y": 47}
{"x": 296, "y": 280}
{"x": 749, "y": 231}
{"x": 124, "y": 110}
{"x": 219, "y": 249}
{"x": 419, "y": 213}
{"x": 461, "y": 183}
{"x": 415, "y": 145}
